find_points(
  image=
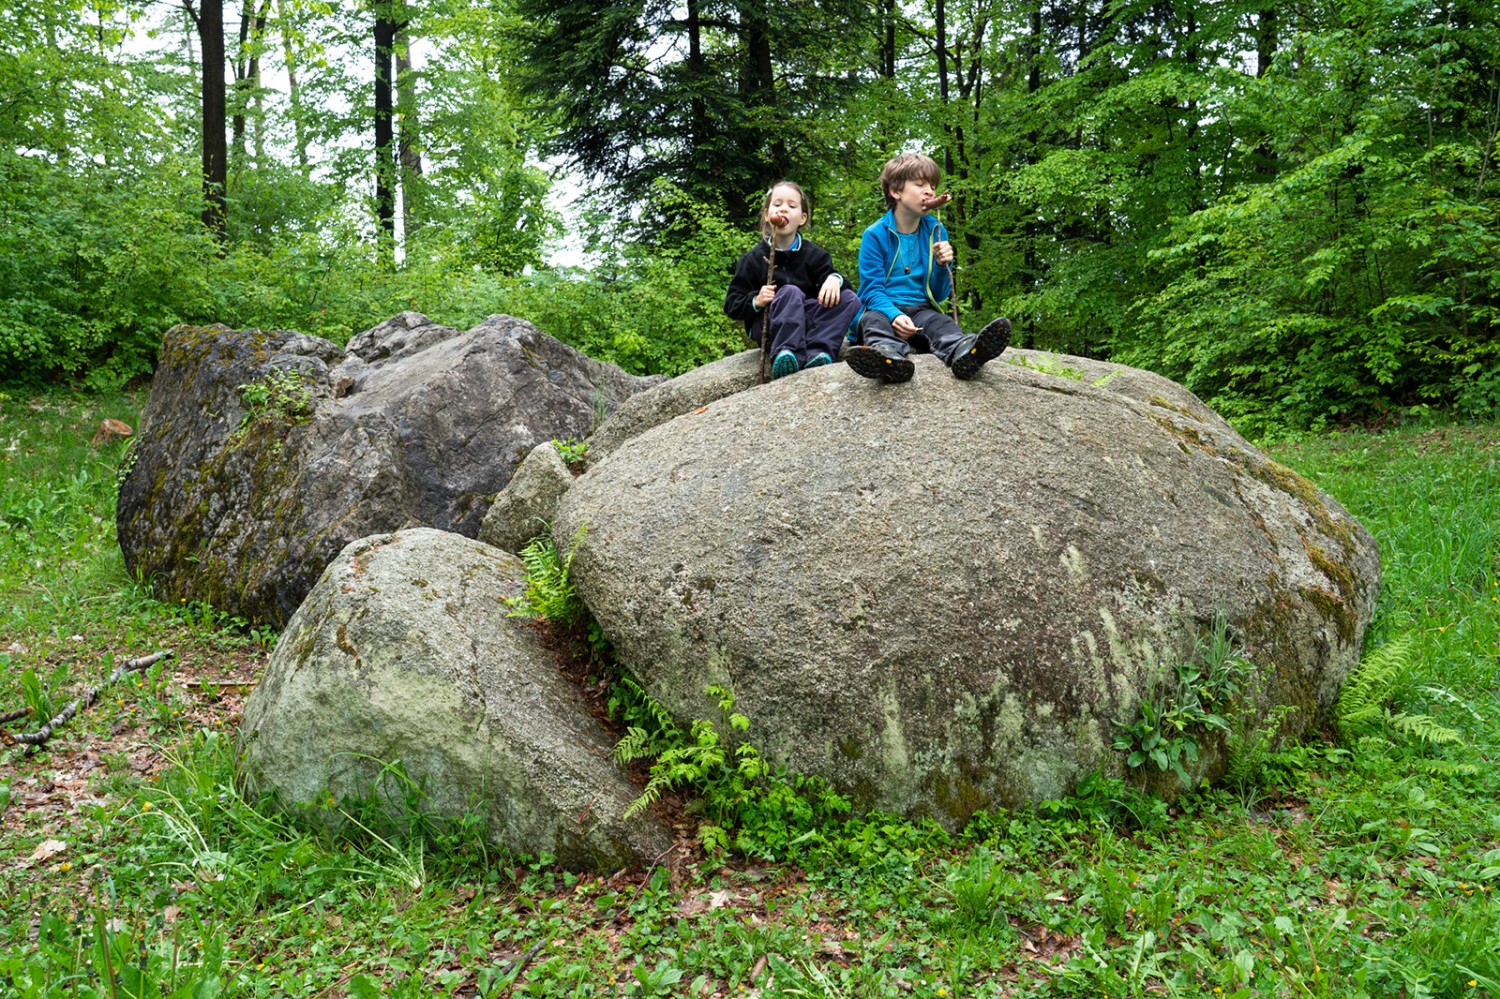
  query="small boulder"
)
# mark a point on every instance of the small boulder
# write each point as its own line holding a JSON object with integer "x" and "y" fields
{"x": 525, "y": 507}
{"x": 404, "y": 652}
{"x": 683, "y": 394}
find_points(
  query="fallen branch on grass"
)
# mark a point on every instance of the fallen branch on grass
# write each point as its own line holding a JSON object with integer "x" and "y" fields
{"x": 33, "y": 740}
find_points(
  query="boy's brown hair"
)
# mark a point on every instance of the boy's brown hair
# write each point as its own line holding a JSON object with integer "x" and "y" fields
{"x": 907, "y": 166}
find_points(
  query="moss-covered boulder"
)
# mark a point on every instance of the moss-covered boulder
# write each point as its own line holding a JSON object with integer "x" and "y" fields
{"x": 941, "y": 596}
{"x": 402, "y": 681}
{"x": 262, "y": 453}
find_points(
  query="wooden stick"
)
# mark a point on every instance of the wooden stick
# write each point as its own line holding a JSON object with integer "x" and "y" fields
{"x": 937, "y": 201}
{"x": 33, "y": 740}
{"x": 771, "y": 224}
{"x": 765, "y": 319}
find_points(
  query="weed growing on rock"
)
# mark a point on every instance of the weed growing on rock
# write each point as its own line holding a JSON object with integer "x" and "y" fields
{"x": 572, "y": 450}
{"x": 278, "y": 400}
{"x": 1192, "y": 702}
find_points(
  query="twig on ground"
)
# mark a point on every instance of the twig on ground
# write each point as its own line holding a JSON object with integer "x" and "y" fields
{"x": 646, "y": 882}
{"x": 34, "y": 740}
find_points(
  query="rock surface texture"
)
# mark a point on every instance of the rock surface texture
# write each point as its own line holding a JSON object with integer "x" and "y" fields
{"x": 940, "y": 595}
{"x": 525, "y": 507}
{"x": 263, "y": 453}
{"x": 676, "y": 397}
{"x": 403, "y": 651}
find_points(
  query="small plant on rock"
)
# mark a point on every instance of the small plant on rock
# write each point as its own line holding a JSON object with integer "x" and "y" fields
{"x": 1195, "y": 699}
{"x": 549, "y": 591}
{"x": 280, "y": 399}
{"x": 572, "y": 450}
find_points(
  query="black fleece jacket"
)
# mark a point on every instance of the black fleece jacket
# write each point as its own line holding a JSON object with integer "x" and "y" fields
{"x": 807, "y": 267}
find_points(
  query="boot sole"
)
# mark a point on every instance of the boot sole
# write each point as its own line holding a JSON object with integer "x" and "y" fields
{"x": 871, "y": 363}
{"x": 990, "y": 344}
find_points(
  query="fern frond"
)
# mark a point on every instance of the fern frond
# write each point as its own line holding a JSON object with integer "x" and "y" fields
{"x": 1424, "y": 728}
{"x": 654, "y": 788}
{"x": 1446, "y": 768}
{"x": 1370, "y": 684}
{"x": 633, "y": 746}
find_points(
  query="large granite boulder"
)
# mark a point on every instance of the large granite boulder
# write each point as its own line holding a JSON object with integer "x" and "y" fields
{"x": 263, "y": 453}
{"x": 940, "y": 596}
{"x": 403, "y": 653}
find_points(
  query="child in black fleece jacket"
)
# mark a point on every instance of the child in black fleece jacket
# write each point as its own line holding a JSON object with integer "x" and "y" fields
{"x": 808, "y": 304}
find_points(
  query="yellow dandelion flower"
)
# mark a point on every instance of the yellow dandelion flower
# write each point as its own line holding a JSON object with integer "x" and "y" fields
{"x": 65, "y": 867}
{"x": 146, "y": 807}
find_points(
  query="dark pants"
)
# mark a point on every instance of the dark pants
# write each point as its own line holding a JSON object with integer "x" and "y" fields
{"x": 799, "y": 324}
{"x": 940, "y": 335}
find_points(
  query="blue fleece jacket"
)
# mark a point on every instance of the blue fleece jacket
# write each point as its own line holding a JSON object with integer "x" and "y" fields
{"x": 877, "y": 259}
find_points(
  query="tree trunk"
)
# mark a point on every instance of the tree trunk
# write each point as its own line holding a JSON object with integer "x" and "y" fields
{"x": 1030, "y": 262}
{"x": 258, "y": 34}
{"x": 1266, "y": 38}
{"x": 294, "y": 90}
{"x": 408, "y": 148}
{"x": 241, "y": 82}
{"x": 765, "y": 89}
{"x": 888, "y": 39}
{"x": 385, "y": 195}
{"x": 940, "y": 30}
{"x": 210, "y": 22}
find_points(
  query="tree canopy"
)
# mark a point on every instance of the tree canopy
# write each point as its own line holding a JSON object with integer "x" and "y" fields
{"x": 1291, "y": 208}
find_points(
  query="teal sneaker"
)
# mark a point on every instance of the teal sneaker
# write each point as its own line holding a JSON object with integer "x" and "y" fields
{"x": 818, "y": 360}
{"x": 785, "y": 364}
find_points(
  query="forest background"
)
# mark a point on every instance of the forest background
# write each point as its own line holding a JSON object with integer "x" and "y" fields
{"x": 1290, "y": 207}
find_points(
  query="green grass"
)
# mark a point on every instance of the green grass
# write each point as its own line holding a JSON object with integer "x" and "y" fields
{"x": 1335, "y": 869}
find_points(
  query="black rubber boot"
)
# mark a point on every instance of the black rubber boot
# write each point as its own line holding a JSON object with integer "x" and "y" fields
{"x": 983, "y": 347}
{"x": 872, "y": 363}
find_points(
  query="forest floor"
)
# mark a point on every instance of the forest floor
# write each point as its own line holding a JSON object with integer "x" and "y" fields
{"x": 131, "y": 864}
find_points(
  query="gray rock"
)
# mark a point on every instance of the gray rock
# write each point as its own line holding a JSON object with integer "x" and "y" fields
{"x": 525, "y": 507}
{"x": 403, "y": 652}
{"x": 242, "y": 506}
{"x": 940, "y": 595}
{"x": 675, "y": 397}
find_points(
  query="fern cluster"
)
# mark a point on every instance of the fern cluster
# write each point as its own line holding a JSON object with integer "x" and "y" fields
{"x": 1369, "y": 719}
{"x": 549, "y": 593}
{"x": 766, "y": 811}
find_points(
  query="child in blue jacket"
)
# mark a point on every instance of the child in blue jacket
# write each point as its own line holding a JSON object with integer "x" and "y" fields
{"x": 904, "y": 279}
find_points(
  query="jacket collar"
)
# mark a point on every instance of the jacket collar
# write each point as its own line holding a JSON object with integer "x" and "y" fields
{"x": 924, "y": 225}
